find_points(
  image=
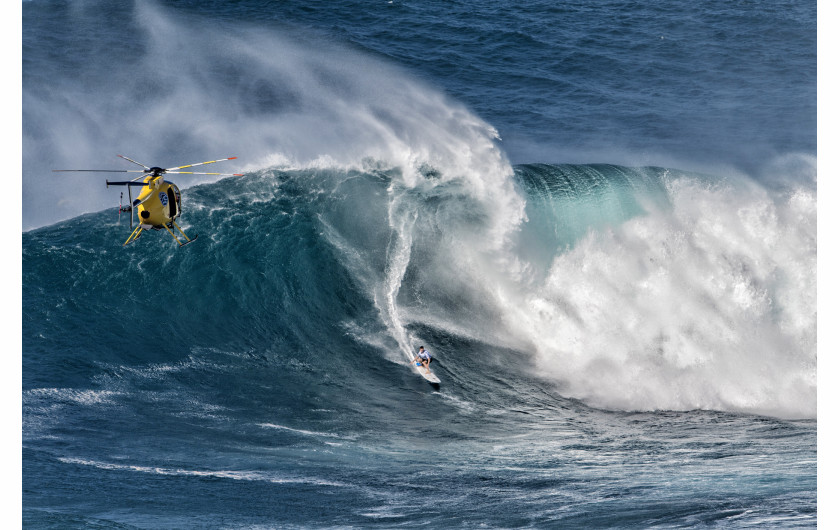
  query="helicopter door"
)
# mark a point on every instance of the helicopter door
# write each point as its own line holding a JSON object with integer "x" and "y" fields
{"x": 173, "y": 205}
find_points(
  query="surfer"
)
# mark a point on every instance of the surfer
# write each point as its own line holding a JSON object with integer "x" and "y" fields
{"x": 424, "y": 359}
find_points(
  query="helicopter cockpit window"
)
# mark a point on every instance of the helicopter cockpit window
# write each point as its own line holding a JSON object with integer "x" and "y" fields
{"x": 173, "y": 206}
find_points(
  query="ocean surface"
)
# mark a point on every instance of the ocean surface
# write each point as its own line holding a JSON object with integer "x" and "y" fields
{"x": 599, "y": 217}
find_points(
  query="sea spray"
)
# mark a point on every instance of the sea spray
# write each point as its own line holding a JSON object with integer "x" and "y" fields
{"x": 269, "y": 96}
{"x": 664, "y": 290}
{"x": 708, "y": 303}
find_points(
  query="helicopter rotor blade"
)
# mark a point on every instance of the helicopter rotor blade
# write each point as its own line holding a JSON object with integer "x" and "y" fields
{"x": 145, "y": 167}
{"x": 199, "y": 164}
{"x": 101, "y": 170}
{"x": 198, "y": 173}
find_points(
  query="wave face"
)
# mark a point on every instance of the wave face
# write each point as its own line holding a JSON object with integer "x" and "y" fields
{"x": 693, "y": 292}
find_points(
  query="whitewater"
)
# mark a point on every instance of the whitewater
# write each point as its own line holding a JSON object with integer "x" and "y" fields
{"x": 621, "y": 308}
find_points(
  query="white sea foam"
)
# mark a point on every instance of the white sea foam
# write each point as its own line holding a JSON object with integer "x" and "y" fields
{"x": 44, "y": 408}
{"x": 707, "y": 301}
{"x": 709, "y": 305}
{"x": 248, "y": 475}
{"x": 298, "y": 431}
{"x": 37, "y": 396}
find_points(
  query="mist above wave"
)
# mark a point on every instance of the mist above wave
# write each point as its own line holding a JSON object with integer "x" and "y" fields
{"x": 185, "y": 87}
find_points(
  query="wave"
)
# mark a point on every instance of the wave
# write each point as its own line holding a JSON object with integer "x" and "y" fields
{"x": 627, "y": 288}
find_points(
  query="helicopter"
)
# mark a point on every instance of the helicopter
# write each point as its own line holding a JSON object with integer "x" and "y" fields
{"x": 159, "y": 201}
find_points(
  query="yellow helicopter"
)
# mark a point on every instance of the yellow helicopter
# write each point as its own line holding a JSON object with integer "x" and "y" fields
{"x": 159, "y": 201}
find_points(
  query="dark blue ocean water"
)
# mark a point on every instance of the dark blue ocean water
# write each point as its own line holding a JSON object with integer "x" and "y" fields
{"x": 599, "y": 217}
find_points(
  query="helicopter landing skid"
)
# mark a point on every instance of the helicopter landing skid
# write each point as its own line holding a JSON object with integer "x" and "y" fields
{"x": 171, "y": 233}
{"x": 187, "y": 242}
{"x": 135, "y": 234}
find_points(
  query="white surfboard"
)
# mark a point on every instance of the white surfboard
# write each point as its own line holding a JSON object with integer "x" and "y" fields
{"x": 428, "y": 376}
